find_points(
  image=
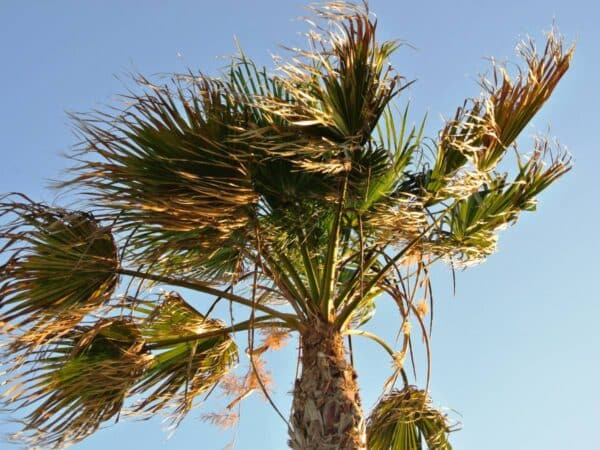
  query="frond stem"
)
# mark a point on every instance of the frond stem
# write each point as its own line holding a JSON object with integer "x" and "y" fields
{"x": 202, "y": 287}
{"x": 371, "y": 336}
{"x": 330, "y": 266}
{"x": 258, "y": 322}
{"x": 345, "y": 314}
{"x": 311, "y": 273}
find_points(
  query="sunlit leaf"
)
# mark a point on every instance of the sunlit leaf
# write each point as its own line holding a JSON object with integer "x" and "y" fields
{"x": 77, "y": 383}
{"x": 58, "y": 261}
{"x": 405, "y": 420}
{"x": 183, "y": 366}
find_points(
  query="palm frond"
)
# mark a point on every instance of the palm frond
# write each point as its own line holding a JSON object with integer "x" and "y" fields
{"x": 342, "y": 85}
{"x": 164, "y": 169}
{"x": 405, "y": 420}
{"x": 474, "y": 221}
{"x": 484, "y": 129}
{"x": 402, "y": 145}
{"x": 511, "y": 104}
{"x": 399, "y": 221}
{"x": 202, "y": 254}
{"x": 185, "y": 364}
{"x": 58, "y": 262}
{"x": 77, "y": 383}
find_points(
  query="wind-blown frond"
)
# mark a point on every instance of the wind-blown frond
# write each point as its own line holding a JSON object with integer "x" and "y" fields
{"x": 165, "y": 169}
{"x": 77, "y": 383}
{"x": 474, "y": 221}
{"x": 405, "y": 420}
{"x": 343, "y": 83}
{"x": 59, "y": 262}
{"x": 484, "y": 129}
{"x": 191, "y": 354}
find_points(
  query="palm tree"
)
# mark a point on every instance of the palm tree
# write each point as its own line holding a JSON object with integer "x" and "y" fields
{"x": 301, "y": 198}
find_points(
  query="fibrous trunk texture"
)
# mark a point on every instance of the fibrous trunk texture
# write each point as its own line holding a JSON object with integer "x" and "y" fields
{"x": 326, "y": 410}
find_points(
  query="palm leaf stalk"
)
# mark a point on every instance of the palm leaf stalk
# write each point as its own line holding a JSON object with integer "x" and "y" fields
{"x": 302, "y": 199}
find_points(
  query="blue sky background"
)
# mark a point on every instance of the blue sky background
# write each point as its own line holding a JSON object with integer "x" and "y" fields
{"x": 515, "y": 351}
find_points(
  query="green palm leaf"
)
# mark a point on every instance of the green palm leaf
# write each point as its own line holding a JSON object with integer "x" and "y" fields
{"x": 192, "y": 353}
{"x": 60, "y": 261}
{"x": 473, "y": 222}
{"x": 484, "y": 129}
{"x": 404, "y": 420}
{"x": 77, "y": 383}
{"x": 340, "y": 90}
{"x": 165, "y": 164}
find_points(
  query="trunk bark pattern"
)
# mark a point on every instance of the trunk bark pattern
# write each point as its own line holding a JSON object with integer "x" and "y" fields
{"x": 326, "y": 410}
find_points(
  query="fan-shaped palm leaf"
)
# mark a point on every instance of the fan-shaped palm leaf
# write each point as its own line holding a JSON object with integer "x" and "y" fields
{"x": 78, "y": 383}
{"x": 192, "y": 353}
{"x": 165, "y": 159}
{"x": 405, "y": 420}
{"x": 344, "y": 84}
{"x": 60, "y": 261}
{"x": 473, "y": 221}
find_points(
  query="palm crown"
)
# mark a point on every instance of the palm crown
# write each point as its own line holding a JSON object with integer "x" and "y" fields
{"x": 300, "y": 196}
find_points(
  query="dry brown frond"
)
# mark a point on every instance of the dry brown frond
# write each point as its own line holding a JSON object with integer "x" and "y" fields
{"x": 275, "y": 338}
{"x": 399, "y": 222}
{"x": 223, "y": 420}
{"x": 240, "y": 387}
{"x": 422, "y": 307}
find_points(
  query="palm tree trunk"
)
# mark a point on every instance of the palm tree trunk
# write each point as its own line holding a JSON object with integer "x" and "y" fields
{"x": 326, "y": 410}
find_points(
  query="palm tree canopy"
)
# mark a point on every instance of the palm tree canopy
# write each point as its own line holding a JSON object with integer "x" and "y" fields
{"x": 301, "y": 195}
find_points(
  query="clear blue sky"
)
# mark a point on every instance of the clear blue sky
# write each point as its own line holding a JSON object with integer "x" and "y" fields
{"x": 515, "y": 352}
